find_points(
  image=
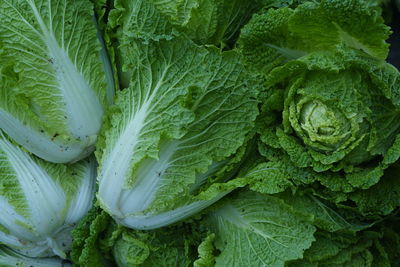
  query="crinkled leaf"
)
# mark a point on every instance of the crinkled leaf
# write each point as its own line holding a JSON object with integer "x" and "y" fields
{"x": 276, "y": 36}
{"x": 206, "y": 252}
{"x": 41, "y": 201}
{"x": 174, "y": 246}
{"x": 259, "y": 230}
{"x": 53, "y": 83}
{"x": 10, "y": 258}
{"x": 187, "y": 111}
{"x": 86, "y": 247}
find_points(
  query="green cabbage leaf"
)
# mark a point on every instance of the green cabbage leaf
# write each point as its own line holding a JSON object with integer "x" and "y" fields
{"x": 334, "y": 118}
{"x": 55, "y": 78}
{"x": 203, "y": 21}
{"x": 252, "y": 229}
{"x": 10, "y": 258}
{"x": 41, "y": 201}
{"x": 276, "y": 36}
{"x": 174, "y": 132}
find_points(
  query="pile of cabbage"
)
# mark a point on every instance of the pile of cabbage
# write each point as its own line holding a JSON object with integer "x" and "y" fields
{"x": 198, "y": 133}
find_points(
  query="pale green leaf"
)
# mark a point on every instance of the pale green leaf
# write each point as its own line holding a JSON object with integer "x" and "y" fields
{"x": 187, "y": 111}
{"x": 259, "y": 230}
{"x": 53, "y": 83}
{"x": 41, "y": 201}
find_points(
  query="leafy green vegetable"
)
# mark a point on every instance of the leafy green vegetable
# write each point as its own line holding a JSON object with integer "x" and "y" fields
{"x": 164, "y": 247}
{"x": 40, "y": 202}
{"x": 206, "y": 252}
{"x": 335, "y": 119}
{"x": 242, "y": 133}
{"x": 382, "y": 198}
{"x": 204, "y": 21}
{"x": 187, "y": 111}
{"x": 54, "y": 78}
{"x": 98, "y": 238}
{"x": 88, "y": 247}
{"x": 272, "y": 38}
{"x": 374, "y": 247}
{"x": 9, "y": 258}
{"x": 259, "y": 230}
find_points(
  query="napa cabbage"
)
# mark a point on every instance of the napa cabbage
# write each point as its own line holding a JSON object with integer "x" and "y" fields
{"x": 55, "y": 77}
{"x": 10, "y": 258}
{"x": 330, "y": 114}
{"x": 41, "y": 202}
{"x": 174, "y": 132}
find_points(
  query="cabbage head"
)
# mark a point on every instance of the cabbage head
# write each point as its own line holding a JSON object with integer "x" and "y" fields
{"x": 336, "y": 115}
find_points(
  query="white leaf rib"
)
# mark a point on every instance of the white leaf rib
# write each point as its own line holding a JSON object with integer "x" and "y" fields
{"x": 38, "y": 188}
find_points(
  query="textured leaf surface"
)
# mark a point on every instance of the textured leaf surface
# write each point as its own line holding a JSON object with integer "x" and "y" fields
{"x": 87, "y": 248}
{"x": 206, "y": 22}
{"x": 272, "y": 38}
{"x": 41, "y": 201}
{"x": 53, "y": 82}
{"x": 328, "y": 121}
{"x": 206, "y": 252}
{"x": 98, "y": 240}
{"x": 163, "y": 247}
{"x": 9, "y": 258}
{"x": 187, "y": 110}
{"x": 259, "y": 230}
